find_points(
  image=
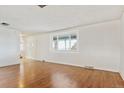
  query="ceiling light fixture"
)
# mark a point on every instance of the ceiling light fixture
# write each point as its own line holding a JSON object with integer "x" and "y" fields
{"x": 42, "y": 6}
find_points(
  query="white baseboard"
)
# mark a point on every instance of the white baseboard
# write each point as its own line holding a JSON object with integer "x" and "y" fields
{"x": 58, "y": 62}
{"x": 122, "y": 75}
{"x": 9, "y": 65}
{"x": 105, "y": 69}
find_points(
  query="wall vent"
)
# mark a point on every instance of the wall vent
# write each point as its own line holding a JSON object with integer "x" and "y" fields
{"x": 43, "y": 61}
{"x": 89, "y": 67}
{"x": 4, "y": 24}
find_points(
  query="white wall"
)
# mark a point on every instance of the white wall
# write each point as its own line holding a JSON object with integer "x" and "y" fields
{"x": 122, "y": 48}
{"x": 9, "y": 47}
{"x": 99, "y": 46}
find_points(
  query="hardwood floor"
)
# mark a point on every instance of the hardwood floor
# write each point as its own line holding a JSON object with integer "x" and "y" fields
{"x": 46, "y": 75}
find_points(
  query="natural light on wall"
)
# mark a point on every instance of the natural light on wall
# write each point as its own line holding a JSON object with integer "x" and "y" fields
{"x": 21, "y": 43}
{"x": 21, "y": 46}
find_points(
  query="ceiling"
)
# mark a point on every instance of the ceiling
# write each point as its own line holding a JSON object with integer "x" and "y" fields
{"x": 27, "y": 18}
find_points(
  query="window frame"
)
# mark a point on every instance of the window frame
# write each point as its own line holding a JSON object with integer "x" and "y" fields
{"x": 64, "y": 34}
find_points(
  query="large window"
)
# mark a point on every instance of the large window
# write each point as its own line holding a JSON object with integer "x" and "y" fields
{"x": 65, "y": 42}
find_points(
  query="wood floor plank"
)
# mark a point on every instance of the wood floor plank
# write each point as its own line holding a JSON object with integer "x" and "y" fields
{"x": 37, "y": 74}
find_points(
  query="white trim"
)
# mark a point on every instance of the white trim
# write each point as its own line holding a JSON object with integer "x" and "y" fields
{"x": 9, "y": 65}
{"x": 121, "y": 75}
{"x": 16, "y": 63}
{"x": 78, "y": 65}
{"x": 64, "y": 33}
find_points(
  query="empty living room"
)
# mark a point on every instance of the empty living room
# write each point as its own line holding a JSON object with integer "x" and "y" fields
{"x": 61, "y": 46}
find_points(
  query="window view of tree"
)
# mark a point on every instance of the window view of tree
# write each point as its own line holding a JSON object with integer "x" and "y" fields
{"x": 65, "y": 42}
{"x": 73, "y": 42}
